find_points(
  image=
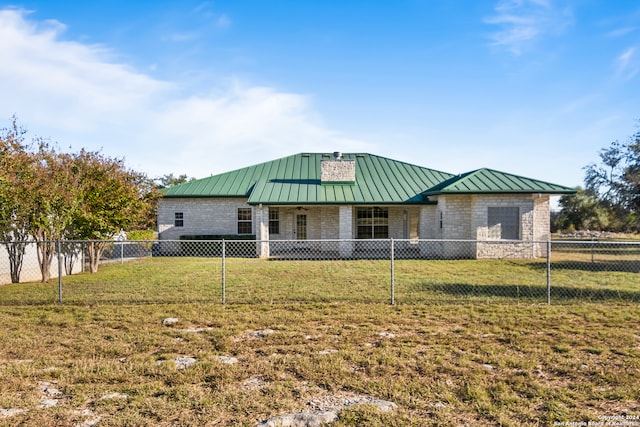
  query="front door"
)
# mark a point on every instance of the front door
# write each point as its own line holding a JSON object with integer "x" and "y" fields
{"x": 301, "y": 227}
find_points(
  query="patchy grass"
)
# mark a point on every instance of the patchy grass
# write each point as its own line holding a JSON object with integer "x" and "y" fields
{"x": 469, "y": 343}
{"x": 462, "y": 364}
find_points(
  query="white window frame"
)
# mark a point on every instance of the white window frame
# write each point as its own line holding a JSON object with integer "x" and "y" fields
{"x": 178, "y": 219}
{"x": 244, "y": 219}
{"x": 274, "y": 221}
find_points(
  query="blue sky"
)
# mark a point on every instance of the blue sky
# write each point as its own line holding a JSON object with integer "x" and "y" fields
{"x": 531, "y": 87}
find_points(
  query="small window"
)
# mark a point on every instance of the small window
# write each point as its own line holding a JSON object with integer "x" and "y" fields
{"x": 504, "y": 223}
{"x": 441, "y": 219}
{"x": 274, "y": 221}
{"x": 178, "y": 220}
{"x": 244, "y": 221}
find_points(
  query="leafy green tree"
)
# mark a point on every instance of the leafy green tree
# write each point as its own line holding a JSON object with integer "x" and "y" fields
{"x": 49, "y": 196}
{"x": 632, "y": 173}
{"x": 615, "y": 182}
{"x": 110, "y": 198}
{"x": 52, "y": 200}
{"x": 169, "y": 180}
{"x": 581, "y": 211}
{"x": 605, "y": 180}
{"x": 14, "y": 172}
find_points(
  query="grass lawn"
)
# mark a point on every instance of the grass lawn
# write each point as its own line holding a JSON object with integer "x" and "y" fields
{"x": 486, "y": 358}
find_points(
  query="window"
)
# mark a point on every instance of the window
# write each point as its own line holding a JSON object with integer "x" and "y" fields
{"x": 373, "y": 223}
{"x": 178, "y": 219}
{"x": 441, "y": 219}
{"x": 274, "y": 221}
{"x": 504, "y": 223}
{"x": 244, "y": 221}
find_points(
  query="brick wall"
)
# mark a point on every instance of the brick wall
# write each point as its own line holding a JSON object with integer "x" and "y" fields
{"x": 201, "y": 216}
{"x": 463, "y": 218}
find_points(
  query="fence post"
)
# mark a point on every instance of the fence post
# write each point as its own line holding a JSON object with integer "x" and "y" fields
{"x": 59, "y": 248}
{"x": 393, "y": 275}
{"x": 224, "y": 284}
{"x": 549, "y": 271}
{"x": 121, "y": 252}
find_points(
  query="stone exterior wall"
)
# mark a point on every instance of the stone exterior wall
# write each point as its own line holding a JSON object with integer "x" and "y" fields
{"x": 337, "y": 170}
{"x": 454, "y": 218}
{"x": 202, "y": 216}
{"x": 465, "y": 217}
{"x": 524, "y": 203}
{"x": 533, "y": 225}
{"x": 428, "y": 224}
{"x": 454, "y": 221}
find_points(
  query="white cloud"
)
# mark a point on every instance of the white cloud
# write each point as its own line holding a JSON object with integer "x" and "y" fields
{"x": 219, "y": 20}
{"x": 522, "y": 22}
{"x": 627, "y": 64}
{"x": 223, "y": 21}
{"x": 61, "y": 83}
{"x": 620, "y": 32}
{"x": 77, "y": 95}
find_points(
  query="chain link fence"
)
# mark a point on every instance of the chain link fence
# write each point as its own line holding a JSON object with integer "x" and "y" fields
{"x": 385, "y": 270}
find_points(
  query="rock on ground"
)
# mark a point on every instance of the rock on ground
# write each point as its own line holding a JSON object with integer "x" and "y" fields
{"x": 170, "y": 321}
{"x": 228, "y": 360}
{"x": 261, "y": 334}
{"x": 326, "y": 411}
{"x": 6, "y": 413}
{"x": 184, "y": 362}
{"x": 301, "y": 419}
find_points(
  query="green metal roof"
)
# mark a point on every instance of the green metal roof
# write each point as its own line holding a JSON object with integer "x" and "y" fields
{"x": 296, "y": 180}
{"x": 492, "y": 181}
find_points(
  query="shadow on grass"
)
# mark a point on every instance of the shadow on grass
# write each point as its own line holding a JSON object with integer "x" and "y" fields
{"x": 529, "y": 292}
{"x": 622, "y": 266}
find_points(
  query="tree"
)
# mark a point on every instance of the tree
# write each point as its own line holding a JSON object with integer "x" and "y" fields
{"x": 14, "y": 171}
{"x": 632, "y": 174}
{"x": 52, "y": 200}
{"x": 580, "y": 211}
{"x": 605, "y": 180}
{"x": 169, "y": 180}
{"x": 110, "y": 197}
{"x": 615, "y": 182}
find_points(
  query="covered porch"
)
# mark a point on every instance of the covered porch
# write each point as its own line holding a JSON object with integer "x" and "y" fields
{"x": 308, "y": 224}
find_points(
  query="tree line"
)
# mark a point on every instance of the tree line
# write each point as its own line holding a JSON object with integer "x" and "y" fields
{"x": 610, "y": 199}
{"x": 47, "y": 196}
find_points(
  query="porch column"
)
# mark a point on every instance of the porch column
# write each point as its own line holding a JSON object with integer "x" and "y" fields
{"x": 262, "y": 231}
{"x": 345, "y": 232}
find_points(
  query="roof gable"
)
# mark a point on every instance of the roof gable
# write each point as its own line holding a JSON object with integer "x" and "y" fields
{"x": 491, "y": 181}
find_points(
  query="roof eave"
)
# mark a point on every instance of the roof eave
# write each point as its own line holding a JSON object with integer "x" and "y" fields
{"x": 557, "y": 192}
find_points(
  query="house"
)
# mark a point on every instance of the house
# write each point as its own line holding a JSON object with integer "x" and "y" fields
{"x": 320, "y": 196}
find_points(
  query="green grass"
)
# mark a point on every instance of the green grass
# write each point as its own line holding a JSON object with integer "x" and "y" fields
{"x": 574, "y": 277}
{"x": 469, "y": 343}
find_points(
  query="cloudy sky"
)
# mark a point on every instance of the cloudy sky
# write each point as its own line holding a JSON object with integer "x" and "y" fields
{"x": 531, "y": 87}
